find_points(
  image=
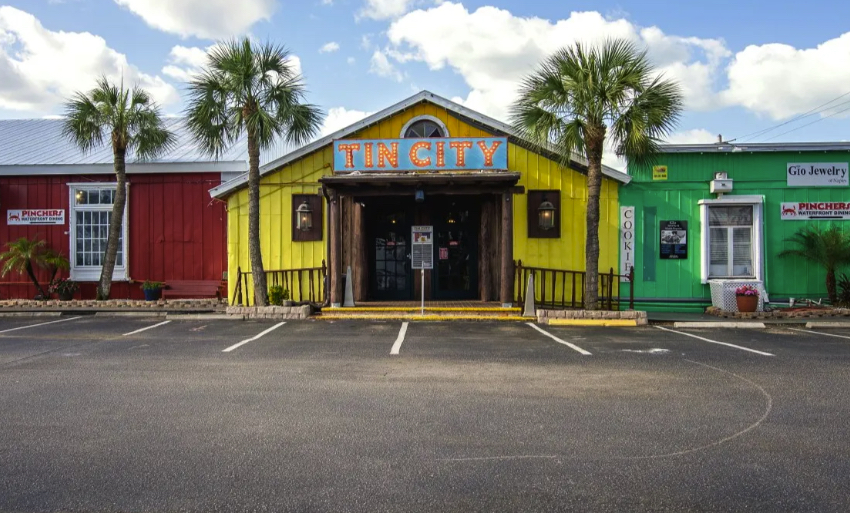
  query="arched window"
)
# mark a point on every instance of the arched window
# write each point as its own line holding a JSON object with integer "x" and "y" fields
{"x": 423, "y": 127}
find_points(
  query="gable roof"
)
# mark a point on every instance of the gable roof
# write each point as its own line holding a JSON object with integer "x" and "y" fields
{"x": 733, "y": 147}
{"x": 37, "y": 146}
{"x": 485, "y": 122}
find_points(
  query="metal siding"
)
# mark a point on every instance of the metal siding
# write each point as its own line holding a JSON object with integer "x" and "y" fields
{"x": 301, "y": 177}
{"x": 762, "y": 174}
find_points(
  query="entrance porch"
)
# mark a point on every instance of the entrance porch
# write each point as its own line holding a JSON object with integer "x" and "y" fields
{"x": 370, "y": 220}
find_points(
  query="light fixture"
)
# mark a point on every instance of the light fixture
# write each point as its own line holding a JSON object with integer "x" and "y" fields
{"x": 546, "y": 215}
{"x": 305, "y": 217}
{"x": 451, "y": 218}
{"x": 79, "y": 196}
{"x": 419, "y": 196}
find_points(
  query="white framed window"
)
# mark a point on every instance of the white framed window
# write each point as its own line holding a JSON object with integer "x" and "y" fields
{"x": 91, "y": 209}
{"x": 732, "y": 238}
{"x": 424, "y": 126}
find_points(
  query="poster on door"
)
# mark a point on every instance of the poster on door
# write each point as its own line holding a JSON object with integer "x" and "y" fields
{"x": 422, "y": 248}
{"x": 674, "y": 240}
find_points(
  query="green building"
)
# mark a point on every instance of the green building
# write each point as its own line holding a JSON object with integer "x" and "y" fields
{"x": 709, "y": 217}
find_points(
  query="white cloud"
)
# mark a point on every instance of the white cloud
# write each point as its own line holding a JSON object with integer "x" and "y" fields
{"x": 351, "y": 61}
{"x": 207, "y": 19}
{"x": 492, "y": 49}
{"x": 780, "y": 81}
{"x": 42, "y": 68}
{"x": 185, "y": 62}
{"x": 381, "y": 66}
{"x": 329, "y": 47}
{"x": 384, "y": 9}
{"x": 340, "y": 117}
{"x": 693, "y": 136}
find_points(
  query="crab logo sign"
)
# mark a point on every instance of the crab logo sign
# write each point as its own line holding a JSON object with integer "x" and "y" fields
{"x": 802, "y": 211}
{"x": 35, "y": 216}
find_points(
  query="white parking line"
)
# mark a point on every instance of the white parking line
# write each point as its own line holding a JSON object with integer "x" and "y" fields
{"x": 399, "y": 339}
{"x": 556, "y": 339}
{"x": 742, "y": 348}
{"x": 145, "y": 329}
{"x": 255, "y": 337}
{"x": 820, "y": 333}
{"x": 39, "y": 324}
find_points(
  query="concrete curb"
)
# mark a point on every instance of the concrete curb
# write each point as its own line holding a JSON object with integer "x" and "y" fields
{"x": 30, "y": 314}
{"x": 203, "y": 317}
{"x": 822, "y": 325}
{"x": 721, "y": 324}
{"x": 129, "y": 314}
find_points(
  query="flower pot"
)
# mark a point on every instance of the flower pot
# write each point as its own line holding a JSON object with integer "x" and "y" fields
{"x": 152, "y": 294}
{"x": 66, "y": 296}
{"x": 747, "y": 303}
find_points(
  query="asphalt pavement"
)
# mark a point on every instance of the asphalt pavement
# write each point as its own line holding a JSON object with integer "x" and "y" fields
{"x": 144, "y": 414}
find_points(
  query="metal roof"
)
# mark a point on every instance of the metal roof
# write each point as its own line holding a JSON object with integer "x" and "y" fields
{"x": 733, "y": 147}
{"x": 487, "y": 122}
{"x": 37, "y": 146}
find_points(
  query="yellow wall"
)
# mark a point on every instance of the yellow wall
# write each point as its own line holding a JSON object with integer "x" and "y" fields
{"x": 538, "y": 172}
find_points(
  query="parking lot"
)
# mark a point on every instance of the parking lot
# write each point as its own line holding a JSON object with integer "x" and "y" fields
{"x": 143, "y": 414}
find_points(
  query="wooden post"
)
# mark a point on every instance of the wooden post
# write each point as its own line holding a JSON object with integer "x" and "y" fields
{"x": 336, "y": 252}
{"x": 237, "y": 293}
{"x": 632, "y": 288}
{"x": 507, "y": 292}
{"x": 611, "y": 290}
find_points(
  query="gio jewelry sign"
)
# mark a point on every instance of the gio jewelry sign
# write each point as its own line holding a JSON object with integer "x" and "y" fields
{"x": 818, "y": 174}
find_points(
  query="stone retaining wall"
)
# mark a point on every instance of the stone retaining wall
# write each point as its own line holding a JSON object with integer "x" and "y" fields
{"x": 543, "y": 316}
{"x": 172, "y": 304}
{"x": 781, "y": 314}
{"x": 270, "y": 312}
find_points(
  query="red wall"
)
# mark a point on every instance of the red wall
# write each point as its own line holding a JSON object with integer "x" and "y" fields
{"x": 176, "y": 231}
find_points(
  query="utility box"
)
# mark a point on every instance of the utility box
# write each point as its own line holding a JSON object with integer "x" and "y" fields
{"x": 721, "y": 183}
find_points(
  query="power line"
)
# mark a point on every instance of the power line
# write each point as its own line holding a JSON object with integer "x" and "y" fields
{"x": 809, "y": 124}
{"x": 806, "y": 114}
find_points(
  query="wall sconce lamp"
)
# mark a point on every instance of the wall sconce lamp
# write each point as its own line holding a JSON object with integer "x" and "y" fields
{"x": 305, "y": 217}
{"x": 546, "y": 215}
{"x": 419, "y": 196}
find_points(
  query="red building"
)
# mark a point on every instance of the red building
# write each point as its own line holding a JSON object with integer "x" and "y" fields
{"x": 171, "y": 231}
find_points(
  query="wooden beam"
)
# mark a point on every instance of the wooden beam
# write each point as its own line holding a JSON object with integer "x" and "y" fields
{"x": 336, "y": 252}
{"x": 507, "y": 274}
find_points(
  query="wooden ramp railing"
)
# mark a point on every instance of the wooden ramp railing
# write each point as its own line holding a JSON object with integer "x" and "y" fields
{"x": 561, "y": 288}
{"x": 304, "y": 285}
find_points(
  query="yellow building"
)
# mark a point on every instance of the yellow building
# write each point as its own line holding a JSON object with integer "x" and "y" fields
{"x": 484, "y": 200}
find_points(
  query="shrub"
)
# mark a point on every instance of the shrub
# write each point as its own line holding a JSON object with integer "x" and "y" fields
{"x": 62, "y": 286}
{"x": 277, "y": 295}
{"x": 152, "y": 285}
{"x": 844, "y": 291}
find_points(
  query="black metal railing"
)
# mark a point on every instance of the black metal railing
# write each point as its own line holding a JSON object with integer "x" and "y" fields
{"x": 562, "y": 288}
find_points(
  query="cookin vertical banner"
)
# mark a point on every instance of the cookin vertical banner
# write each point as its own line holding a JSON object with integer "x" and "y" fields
{"x": 627, "y": 241}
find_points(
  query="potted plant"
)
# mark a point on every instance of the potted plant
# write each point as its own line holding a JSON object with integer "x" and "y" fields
{"x": 152, "y": 290}
{"x": 747, "y": 297}
{"x": 63, "y": 287}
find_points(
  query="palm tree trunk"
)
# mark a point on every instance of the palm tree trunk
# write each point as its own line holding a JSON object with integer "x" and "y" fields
{"x": 594, "y": 142}
{"x": 115, "y": 222}
{"x": 261, "y": 293}
{"x": 830, "y": 286}
{"x": 31, "y": 274}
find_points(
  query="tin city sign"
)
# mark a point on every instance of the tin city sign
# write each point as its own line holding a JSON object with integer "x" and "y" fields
{"x": 822, "y": 210}
{"x": 818, "y": 174}
{"x": 455, "y": 153}
{"x": 35, "y": 216}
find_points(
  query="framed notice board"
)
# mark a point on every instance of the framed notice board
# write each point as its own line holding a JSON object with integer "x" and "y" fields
{"x": 674, "y": 240}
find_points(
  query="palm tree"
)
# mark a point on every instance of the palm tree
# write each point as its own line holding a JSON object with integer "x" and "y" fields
{"x": 253, "y": 90}
{"x": 24, "y": 254}
{"x": 132, "y": 122}
{"x": 828, "y": 248}
{"x": 579, "y": 96}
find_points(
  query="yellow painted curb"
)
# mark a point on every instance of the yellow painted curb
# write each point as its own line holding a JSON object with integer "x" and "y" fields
{"x": 332, "y": 317}
{"x": 593, "y": 322}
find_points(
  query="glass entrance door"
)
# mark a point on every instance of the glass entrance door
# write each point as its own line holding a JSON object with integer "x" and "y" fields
{"x": 390, "y": 248}
{"x": 456, "y": 244}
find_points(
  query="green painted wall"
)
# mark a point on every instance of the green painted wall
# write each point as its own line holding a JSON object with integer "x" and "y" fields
{"x": 669, "y": 282}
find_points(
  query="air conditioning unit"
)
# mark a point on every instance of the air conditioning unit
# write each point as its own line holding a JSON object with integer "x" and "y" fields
{"x": 721, "y": 183}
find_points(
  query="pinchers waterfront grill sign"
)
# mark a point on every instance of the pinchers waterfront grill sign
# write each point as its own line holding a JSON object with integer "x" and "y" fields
{"x": 435, "y": 154}
{"x": 35, "y": 216}
{"x": 804, "y": 211}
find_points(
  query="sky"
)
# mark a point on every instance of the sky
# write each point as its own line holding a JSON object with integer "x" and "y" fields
{"x": 753, "y": 71}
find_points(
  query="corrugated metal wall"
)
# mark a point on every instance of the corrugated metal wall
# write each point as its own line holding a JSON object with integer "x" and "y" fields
{"x": 176, "y": 232}
{"x": 676, "y": 199}
{"x": 538, "y": 172}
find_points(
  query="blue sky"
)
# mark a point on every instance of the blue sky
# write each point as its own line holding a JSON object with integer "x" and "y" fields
{"x": 745, "y": 66}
